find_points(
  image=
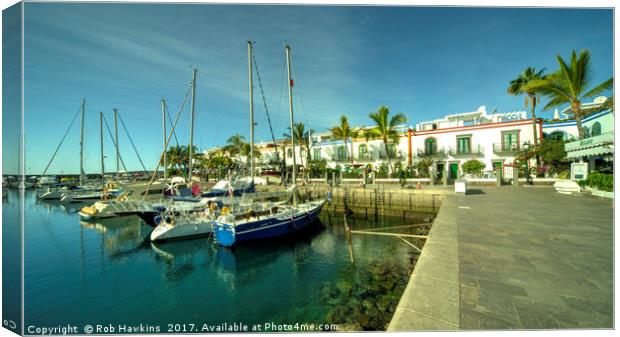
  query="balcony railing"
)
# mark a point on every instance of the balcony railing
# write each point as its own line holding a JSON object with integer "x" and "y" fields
{"x": 507, "y": 147}
{"x": 431, "y": 152}
{"x": 366, "y": 157}
{"x": 475, "y": 150}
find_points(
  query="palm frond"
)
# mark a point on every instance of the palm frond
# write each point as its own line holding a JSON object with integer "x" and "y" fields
{"x": 600, "y": 88}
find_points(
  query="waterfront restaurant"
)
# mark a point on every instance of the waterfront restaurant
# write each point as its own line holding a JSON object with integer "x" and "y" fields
{"x": 597, "y": 147}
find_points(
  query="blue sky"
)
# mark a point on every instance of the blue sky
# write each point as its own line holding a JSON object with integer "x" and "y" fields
{"x": 424, "y": 62}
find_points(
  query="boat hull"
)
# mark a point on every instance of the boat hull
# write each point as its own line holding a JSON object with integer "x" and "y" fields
{"x": 165, "y": 231}
{"x": 230, "y": 234}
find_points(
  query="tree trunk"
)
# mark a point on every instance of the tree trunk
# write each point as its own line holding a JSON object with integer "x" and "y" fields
{"x": 387, "y": 154}
{"x": 577, "y": 111}
{"x": 533, "y": 98}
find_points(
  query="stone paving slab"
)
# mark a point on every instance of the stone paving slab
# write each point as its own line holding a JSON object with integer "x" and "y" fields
{"x": 531, "y": 258}
{"x": 513, "y": 258}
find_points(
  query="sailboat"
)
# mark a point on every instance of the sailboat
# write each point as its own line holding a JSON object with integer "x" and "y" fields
{"x": 57, "y": 193}
{"x": 233, "y": 228}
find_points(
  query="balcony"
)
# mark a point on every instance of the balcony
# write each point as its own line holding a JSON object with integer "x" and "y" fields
{"x": 475, "y": 150}
{"x": 337, "y": 158}
{"x": 431, "y": 153}
{"x": 507, "y": 147}
{"x": 366, "y": 157}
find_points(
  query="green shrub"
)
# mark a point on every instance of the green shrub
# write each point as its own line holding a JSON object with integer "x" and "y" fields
{"x": 564, "y": 175}
{"x": 473, "y": 166}
{"x": 422, "y": 167}
{"x": 601, "y": 181}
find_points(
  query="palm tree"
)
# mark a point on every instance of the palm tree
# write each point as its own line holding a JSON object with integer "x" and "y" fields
{"x": 302, "y": 138}
{"x": 343, "y": 132}
{"x": 385, "y": 127}
{"x": 569, "y": 84}
{"x": 234, "y": 144}
{"x": 518, "y": 86}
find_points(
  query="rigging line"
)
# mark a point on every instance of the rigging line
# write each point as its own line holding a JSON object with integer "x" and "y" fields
{"x": 176, "y": 140}
{"x": 301, "y": 99}
{"x": 260, "y": 84}
{"x": 161, "y": 156}
{"x": 105, "y": 120}
{"x": 131, "y": 141}
{"x": 61, "y": 141}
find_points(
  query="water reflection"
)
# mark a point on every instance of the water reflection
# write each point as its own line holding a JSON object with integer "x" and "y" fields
{"x": 79, "y": 270}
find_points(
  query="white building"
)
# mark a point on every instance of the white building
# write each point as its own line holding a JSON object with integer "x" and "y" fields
{"x": 494, "y": 139}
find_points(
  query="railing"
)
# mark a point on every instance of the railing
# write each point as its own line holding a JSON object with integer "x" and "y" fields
{"x": 366, "y": 156}
{"x": 431, "y": 153}
{"x": 507, "y": 147}
{"x": 474, "y": 150}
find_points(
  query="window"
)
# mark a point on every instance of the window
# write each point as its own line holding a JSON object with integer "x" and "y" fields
{"x": 289, "y": 153}
{"x": 557, "y": 135}
{"x": 586, "y": 132}
{"x": 463, "y": 144}
{"x": 362, "y": 151}
{"x": 342, "y": 153}
{"x": 510, "y": 141}
{"x": 317, "y": 154}
{"x": 430, "y": 146}
{"x": 391, "y": 149}
{"x": 596, "y": 129}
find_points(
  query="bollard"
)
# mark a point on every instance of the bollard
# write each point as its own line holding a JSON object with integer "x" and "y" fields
{"x": 515, "y": 176}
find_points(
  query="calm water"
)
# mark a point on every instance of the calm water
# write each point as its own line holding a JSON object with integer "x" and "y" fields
{"x": 84, "y": 273}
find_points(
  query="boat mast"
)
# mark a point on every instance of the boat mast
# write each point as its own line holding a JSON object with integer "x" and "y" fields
{"x": 251, "y": 112}
{"x": 82, "y": 143}
{"x": 116, "y": 141}
{"x": 191, "y": 128}
{"x": 163, "y": 116}
{"x": 101, "y": 142}
{"x": 290, "y": 103}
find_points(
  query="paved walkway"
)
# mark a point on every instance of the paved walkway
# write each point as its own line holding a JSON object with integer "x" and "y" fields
{"x": 526, "y": 258}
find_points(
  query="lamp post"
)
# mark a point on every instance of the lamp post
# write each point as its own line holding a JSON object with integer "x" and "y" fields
{"x": 526, "y": 147}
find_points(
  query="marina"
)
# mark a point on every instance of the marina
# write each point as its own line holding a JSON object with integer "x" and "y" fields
{"x": 197, "y": 168}
{"x": 94, "y": 266}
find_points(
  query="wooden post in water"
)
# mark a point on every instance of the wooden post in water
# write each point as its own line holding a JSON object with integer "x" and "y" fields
{"x": 349, "y": 237}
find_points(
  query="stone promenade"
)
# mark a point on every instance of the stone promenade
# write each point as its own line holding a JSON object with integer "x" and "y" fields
{"x": 513, "y": 258}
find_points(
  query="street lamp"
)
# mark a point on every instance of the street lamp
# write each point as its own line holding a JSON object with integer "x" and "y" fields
{"x": 526, "y": 147}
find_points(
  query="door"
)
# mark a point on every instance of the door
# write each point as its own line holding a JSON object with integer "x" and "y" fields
{"x": 440, "y": 170}
{"x": 498, "y": 167}
{"x": 454, "y": 170}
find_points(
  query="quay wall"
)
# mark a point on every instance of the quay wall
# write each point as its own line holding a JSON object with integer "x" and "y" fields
{"x": 431, "y": 300}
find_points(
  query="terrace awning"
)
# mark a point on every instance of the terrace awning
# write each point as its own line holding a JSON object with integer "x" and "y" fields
{"x": 590, "y": 152}
{"x": 595, "y": 146}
